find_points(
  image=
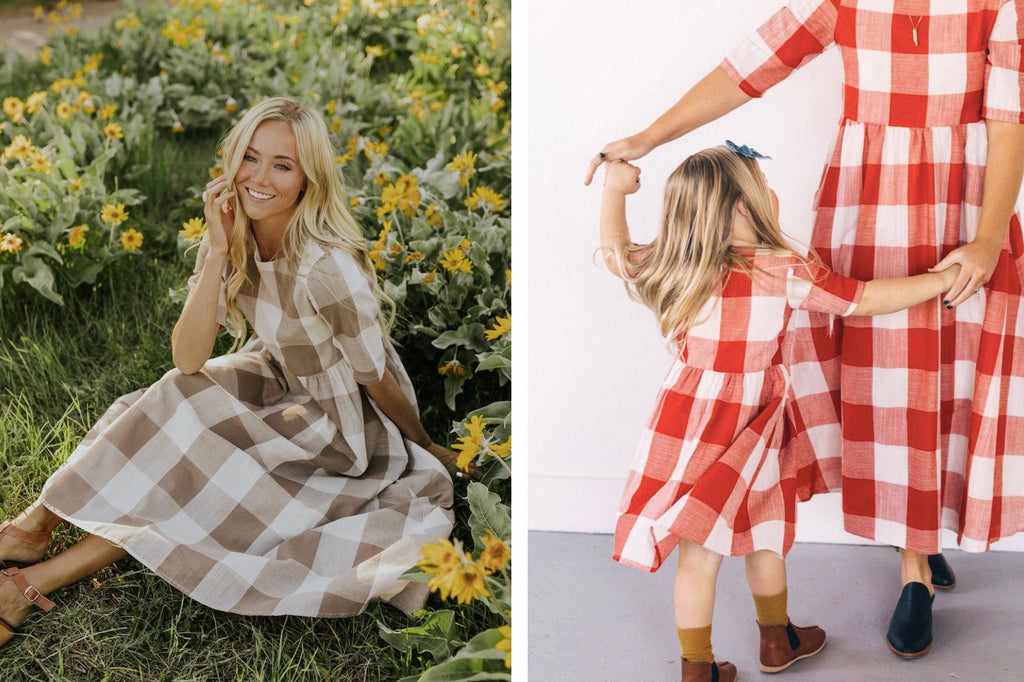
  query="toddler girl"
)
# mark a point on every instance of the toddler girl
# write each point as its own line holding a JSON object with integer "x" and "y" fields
{"x": 712, "y": 474}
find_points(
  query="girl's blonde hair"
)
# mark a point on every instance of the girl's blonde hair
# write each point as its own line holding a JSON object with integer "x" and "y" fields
{"x": 321, "y": 214}
{"x": 678, "y": 272}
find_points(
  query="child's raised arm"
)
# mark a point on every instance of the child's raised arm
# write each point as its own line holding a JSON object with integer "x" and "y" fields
{"x": 620, "y": 179}
{"x": 883, "y": 296}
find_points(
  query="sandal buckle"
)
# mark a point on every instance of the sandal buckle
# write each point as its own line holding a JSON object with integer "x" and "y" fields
{"x": 32, "y": 593}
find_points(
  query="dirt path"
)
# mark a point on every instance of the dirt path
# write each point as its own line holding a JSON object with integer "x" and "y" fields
{"x": 21, "y": 31}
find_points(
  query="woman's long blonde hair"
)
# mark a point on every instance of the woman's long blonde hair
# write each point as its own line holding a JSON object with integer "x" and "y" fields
{"x": 321, "y": 214}
{"x": 677, "y": 273}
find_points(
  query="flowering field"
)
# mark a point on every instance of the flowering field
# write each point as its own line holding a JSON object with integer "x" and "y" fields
{"x": 107, "y": 139}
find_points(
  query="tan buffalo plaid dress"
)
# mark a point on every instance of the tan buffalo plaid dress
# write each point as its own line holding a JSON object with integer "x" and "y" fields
{"x": 268, "y": 483}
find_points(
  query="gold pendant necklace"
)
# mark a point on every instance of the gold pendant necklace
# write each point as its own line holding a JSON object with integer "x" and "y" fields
{"x": 914, "y": 25}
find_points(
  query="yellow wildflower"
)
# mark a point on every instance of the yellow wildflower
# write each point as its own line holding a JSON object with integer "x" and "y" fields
{"x": 402, "y": 195}
{"x": 428, "y": 58}
{"x": 463, "y": 165}
{"x": 11, "y": 243}
{"x": 428, "y": 278}
{"x": 85, "y": 101}
{"x": 457, "y": 51}
{"x": 372, "y": 149}
{"x": 332, "y": 107}
{"x": 14, "y": 108}
{"x": 468, "y": 446}
{"x": 216, "y": 171}
{"x": 485, "y": 198}
{"x": 452, "y": 368}
{"x": 131, "y": 240}
{"x": 374, "y": 50}
{"x": 336, "y": 124}
{"x": 107, "y": 111}
{"x": 465, "y": 584}
{"x": 130, "y": 21}
{"x": 193, "y": 230}
{"x": 75, "y": 184}
{"x": 177, "y": 128}
{"x": 38, "y": 162}
{"x": 456, "y": 261}
{"x": 231, "y": 105}
{"x": 64, "y": 110}
{"x": 481, "y": 70}
{"x": 465, "y": 244}
{"x": 440, "y": 556}
{"x": 93, "y": 64}
{"x": 382, "y": 178}
{"x": 502, "y": 326}
{"x": 76, "y": 239}
{"x": 19, "y": 148}
{"x": 414, "y": 257}
{"x": 495, "y": 555}
{"x": 113, "y": 214}
{"x": 34, "y": 101}
{"x": 503, "y": 450}
{"x": 114, "y": 131}
{"x": 433, "y": 217}
{"x": 505, "y": 644}
{"x": 45, "y": 55}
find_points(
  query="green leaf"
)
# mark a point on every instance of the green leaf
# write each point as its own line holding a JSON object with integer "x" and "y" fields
{"x": 436, "y": 636}
{"x": 487, "y": 512}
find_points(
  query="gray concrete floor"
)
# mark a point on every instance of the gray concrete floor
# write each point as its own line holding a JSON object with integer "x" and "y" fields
{"x": 594, "y": 620}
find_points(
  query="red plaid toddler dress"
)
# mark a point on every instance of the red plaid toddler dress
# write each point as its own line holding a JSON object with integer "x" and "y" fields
{"x": 932, "y": 428}
{"x": 711, "y": 467}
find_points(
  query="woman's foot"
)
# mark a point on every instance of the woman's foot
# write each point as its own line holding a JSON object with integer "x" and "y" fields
{"x": 943, "y": 577}
{"x": 24, "y": 540}
{"x": 17, "y": 598}
{"x": 20, "y": 548}
{"x": 708, "y": 672}
{"x": 784, "y": 645}
{"x": 910, "y": 629}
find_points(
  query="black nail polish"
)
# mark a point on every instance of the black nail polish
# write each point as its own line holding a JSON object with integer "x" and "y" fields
{"x": 949, "y": 307}
{"x": 945, "y": 303}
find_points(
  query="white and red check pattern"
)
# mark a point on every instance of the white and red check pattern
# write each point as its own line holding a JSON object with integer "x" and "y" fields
{"x": 711, "y": 466}
{"x": 931, "y": 434}
{"x": 268, "y": 483}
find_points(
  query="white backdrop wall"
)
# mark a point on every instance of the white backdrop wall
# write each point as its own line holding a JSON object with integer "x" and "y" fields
{"x": 600, "y": 70}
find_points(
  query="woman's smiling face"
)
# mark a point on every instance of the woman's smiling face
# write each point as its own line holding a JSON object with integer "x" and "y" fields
{"x": 270, "y": 178}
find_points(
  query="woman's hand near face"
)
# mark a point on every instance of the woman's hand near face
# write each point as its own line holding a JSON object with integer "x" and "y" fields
{"x": 219, "y": 211}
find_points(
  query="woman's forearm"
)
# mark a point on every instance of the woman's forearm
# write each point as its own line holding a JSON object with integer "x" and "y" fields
{"x": 196, "y": 330}
{"x": 712, "y": 97}
{"x": 393, "y": 403}
{"x": 1003, "y": 171}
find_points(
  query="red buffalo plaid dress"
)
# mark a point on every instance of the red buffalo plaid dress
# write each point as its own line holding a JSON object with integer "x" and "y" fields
{"x": 932, "y": 400}
{"x": 711, "y": 467}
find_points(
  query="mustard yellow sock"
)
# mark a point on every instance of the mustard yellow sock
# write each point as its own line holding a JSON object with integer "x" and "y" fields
{"x": 696, "y": 644}
{"x": 772, "y": 609}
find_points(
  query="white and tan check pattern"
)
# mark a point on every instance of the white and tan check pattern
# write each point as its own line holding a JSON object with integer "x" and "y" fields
{"x": 932, "y": 429}
{"x": 712, "y": 466}
{"x": 268, "y": 483}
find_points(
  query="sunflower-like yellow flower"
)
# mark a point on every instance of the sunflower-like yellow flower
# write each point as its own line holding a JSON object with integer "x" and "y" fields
{"x": 439, "y": 557}
{"x": 456, "y": 260}
{"x": 113, "y": 214}
{"x": 114, "y": 131}
{"x": 465, "y": 584}
{"x": 34, "y": 101}
{"x": 469, "y": 445}
{"x": 193, "y": 230}
{"x": 503, "y": 450}
{"x": 76, "y": 238}
{"x": 14, "y": 108}
{"x": 452, "y": 368}
{"x": 463, "y": 164}
{"x": 11, "y": 243}
{"x": 19, "y": 148}
{"x": 64, "y": 110}
{"x": 131, "y": 239}
{"x": 486, "y": 199}
{"x": 374, "y": 50}
{"x": 502, "y": 326}
{"x": 505, "y": 644}
{"x": 107, "y": 111}
{"x": 45, "y": 55}
{"x": 403, "y": 195}
{"x": 38, "y": 161}
{"x": 495, "y": 554}
{"x": 374, "y": 149}
{"x": 433, "y": 217}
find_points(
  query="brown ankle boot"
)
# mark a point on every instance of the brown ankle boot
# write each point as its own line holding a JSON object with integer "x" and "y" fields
{"x": 708, "y": 672}
{"x": 784, "y": 645}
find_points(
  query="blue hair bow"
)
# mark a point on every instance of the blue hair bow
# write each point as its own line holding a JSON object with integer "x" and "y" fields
{"x": 748, "y": 152}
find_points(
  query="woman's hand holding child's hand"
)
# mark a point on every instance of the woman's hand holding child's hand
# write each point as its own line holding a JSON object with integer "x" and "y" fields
{"x": 621, "y": 176}
{"x": 948, "y": 274}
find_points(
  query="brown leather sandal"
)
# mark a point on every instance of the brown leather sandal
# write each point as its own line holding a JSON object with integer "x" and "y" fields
{"x": 30, "y": 592}
{"x": 8, "y": 528}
